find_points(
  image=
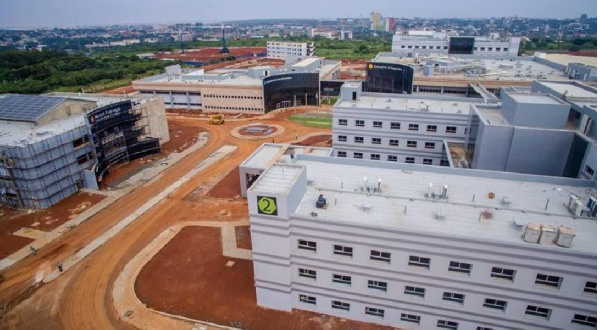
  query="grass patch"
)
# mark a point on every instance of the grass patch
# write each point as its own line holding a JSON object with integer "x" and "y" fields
{"x": 312, "y": 121}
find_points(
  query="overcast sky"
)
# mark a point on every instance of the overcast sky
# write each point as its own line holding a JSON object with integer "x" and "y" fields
{"x": 28, "y": 13}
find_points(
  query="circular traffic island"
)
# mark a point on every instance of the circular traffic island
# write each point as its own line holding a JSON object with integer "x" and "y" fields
{"x": 257, "y": 131}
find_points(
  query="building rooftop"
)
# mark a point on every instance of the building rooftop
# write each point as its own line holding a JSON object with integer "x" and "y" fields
{"x": 27, "y": 108}
{"x": 19, "y": 134}
{"x": 480, "y": 205}
{"x": 534, "y": 98}
{"x": 268, "y": 154}
{"x": 307, "y": 62}
{"x": 416, "y": 102}
{"x": 572, "y": 90}
{"x": 565, "y": 59}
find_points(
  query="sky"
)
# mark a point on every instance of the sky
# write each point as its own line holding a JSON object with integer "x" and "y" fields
{"x": 63, "y": 13}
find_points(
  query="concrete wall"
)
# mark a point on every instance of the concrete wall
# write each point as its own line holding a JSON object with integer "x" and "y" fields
{"x": 492, "y": 147}
{"x": 539, "y": 151}
{"x": 535, "y": 115}
{"x": 591, "y": 161}
{"x": 156, "y": 118}
{"x": 67, "y": 108}
{"x": 232, "y": 99}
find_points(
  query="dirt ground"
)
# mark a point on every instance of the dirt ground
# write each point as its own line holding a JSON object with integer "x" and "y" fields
{"x": 317, "y": 141}
{"x": 242, "y": 237}
{"x": 196, "y": 283}
{"x": 229, "y": 187}
{"x": 121, "y": 90}
{"x": 81, "y": 298}
{"x": 182, "y": 137}
{"x": 13, "y": 219}
{"x": 209, "y": 53}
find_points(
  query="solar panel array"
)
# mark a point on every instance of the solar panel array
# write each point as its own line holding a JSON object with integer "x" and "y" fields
{"x": 26, "y": 107}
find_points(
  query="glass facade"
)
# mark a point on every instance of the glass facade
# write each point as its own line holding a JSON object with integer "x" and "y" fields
{"x": 292, "y": 89}
{"x": 461, "y": 45}
{"x": 331, "y": 87}
{"x": 116, "y": 137}
{"x": 389, "y": 78}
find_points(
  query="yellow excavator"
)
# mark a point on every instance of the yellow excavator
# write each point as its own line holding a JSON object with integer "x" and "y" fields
{"x": 218, "y": 119}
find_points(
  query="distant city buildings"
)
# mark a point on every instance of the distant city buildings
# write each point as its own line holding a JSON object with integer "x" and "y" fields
{"x": 290, "y": 51}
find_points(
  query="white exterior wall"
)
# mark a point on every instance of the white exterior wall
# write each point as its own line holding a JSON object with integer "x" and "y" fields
{"x": 425, "y": 46}
{"x": 279, "y": 285}
{"x": 283, "y": 50}
{"x": 233, "y": 99}
{"x": 403, "y": 135}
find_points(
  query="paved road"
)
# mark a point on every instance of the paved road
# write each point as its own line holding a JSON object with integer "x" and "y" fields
{"x": 80, "y": 298}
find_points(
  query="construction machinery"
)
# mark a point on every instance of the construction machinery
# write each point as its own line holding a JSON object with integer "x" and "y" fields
{"x": 218, "y": 119}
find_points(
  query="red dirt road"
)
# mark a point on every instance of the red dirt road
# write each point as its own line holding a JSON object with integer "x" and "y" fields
{"x": 196, "y": 283}
{"x": 81, "y": 297}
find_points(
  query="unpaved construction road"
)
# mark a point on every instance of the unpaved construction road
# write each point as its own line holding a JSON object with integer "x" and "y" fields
{"x": 81, "y": 297}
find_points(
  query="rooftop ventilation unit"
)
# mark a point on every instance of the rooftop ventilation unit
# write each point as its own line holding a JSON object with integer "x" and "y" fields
{"x": 548, "y": 235}
{"x": 565, "y": 236}
{"x": 367, "y": 206}
{"x": 532, "y": 233}
{"x": 519, "y": 224}
{"x": 506, "y": 201}
{"x": 440, "y": 215}
{"x": 592, "y": 206}
{"x": 321, "y": 202}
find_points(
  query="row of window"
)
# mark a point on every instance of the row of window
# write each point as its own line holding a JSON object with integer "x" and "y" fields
{"x": 397, "y": 125}
{"x": 482, "y": 49}
{"x": 453, "y": 266}
{"x": 394, "y": 158}
{"x": 170, "y": 92}
{"x": 186, "y": 104}
{"x": 231, "y": 108}
{"x": 392, "y": 142}
{"x": 233, "y": 97}
{"x": 446, "y": 324}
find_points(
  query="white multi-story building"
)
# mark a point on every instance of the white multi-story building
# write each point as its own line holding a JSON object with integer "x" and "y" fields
{"x": 406, "y": 128}
{"x": 425, "y": 43}
{"x": 287, "y": 50}
{"x": 421, "y": 247}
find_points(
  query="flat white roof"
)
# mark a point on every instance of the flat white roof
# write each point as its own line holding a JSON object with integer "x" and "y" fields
{"x": 278, "y": 179}
{"x": 469, "y": 210}
{"x": 409, "y": 104}
{"x": 18, "y": 134}
{"x": 572, "y": 90}
{"x": 534, "y": 98}
{"x": 266, "y": 154}
{"x": 306, "y": 62}
{"x": 566, "y": 59}
{"x": 263, "y": 156}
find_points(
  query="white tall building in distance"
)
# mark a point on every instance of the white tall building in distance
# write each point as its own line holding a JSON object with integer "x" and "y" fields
{"x": 290, "y": 50}
{"x": 422, "y": 247}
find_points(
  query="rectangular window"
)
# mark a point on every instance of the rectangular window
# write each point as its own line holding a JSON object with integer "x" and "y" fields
{"x": 394, "y": 125}
{"x": 377, "y": 285}
{"x": 503, "y": 273}
{"x": 490, "y": 49}
{"x": 409, "y": 160}
{"x": 589, "y": 170}
{"x": 483, "y": 328}
{"x": 443, "y": 324}
{"x": 308, "y": 299}
{"x": 375, "y": 157}
{"x": 392, "y": 158}
{"x": 376, "y": 140}
{"x": 589, "y": 321}
{"x": 381, "y": 256}
{"x": 444, "y": 162}
{"x": 377, "y": 124}
{"x": 359, "y": 139}
{"x": 431, "y": 128}
{"x": 410, "y": 318}
{"x": 495, "y": 304}
{"x": 414, "y": 291}
{"x": 590, "y": 287}
{"x": 413, "y": 127}
{"x": 342, "y": 250}
{"x": 538, "y": 311}
{"x": 411, "y": 144}
{"x": 360, "y": 123}
{"x": 429, "y": 145}
{"x": 497, "y": 49}
{"x": 374, "y": 311}
{"x": 358, "y": 155}
{"x": 437, "y": 47}
{"x": 548, "y": 280}
{"x": 342, "y": 279}
{"x": 336, "y": 304}
{"x": 307, "y": 245}
{"x": 308, "y": 273}
{"x": 454, "y": 297}
{"x": 393, "y": 143}
{"x": 341, "y": 154}
{"x": 342, "y": 138}
{"x": 460, "y": 267}
{"x": 419, "y": 261}
{"x": 428, "y": 161}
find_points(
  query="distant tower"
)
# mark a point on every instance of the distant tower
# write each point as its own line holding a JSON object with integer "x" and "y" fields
{"x": 224, "y": 49}
{"x": 181, "y": 41}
